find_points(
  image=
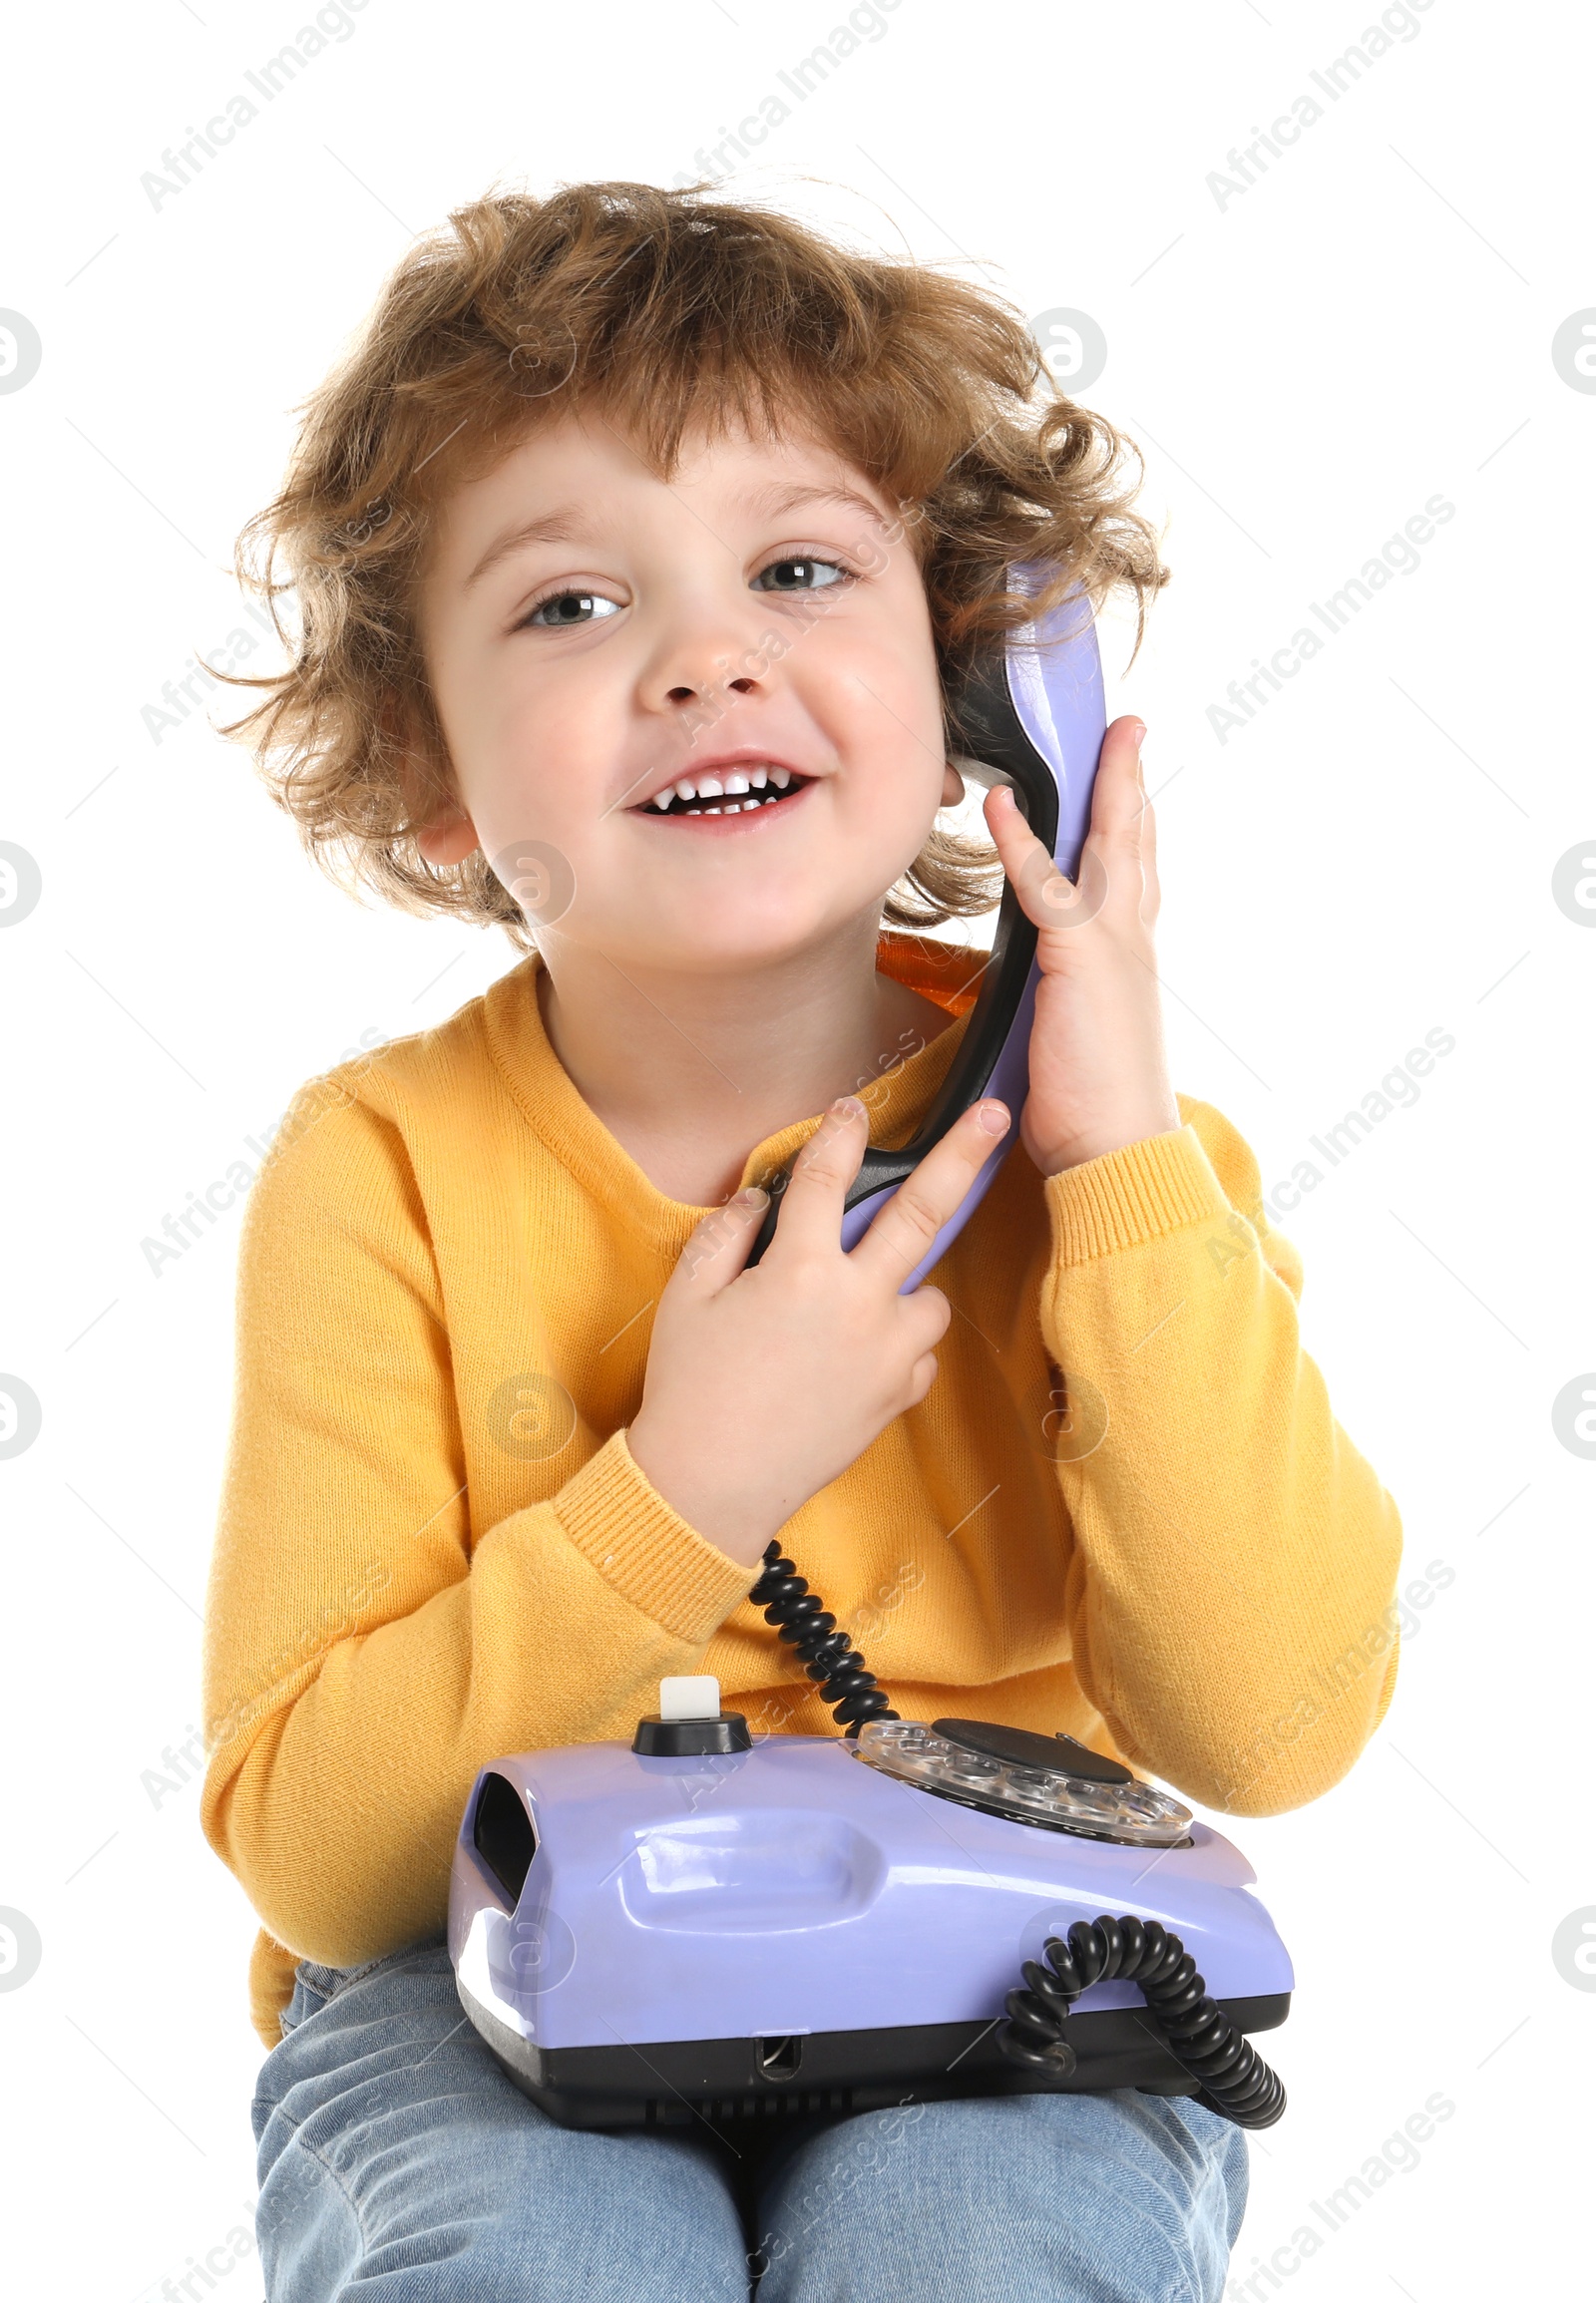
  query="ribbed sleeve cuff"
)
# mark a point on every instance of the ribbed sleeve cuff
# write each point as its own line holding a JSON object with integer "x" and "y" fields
{"x": 629, "y": 1533}
{"x": 1134, "y": 1194}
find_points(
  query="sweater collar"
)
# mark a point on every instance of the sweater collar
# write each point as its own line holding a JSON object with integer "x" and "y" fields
{"x": 547, "y": 1096}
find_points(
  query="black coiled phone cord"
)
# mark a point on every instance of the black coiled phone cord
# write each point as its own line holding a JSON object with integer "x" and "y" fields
{"x": 1234, "y": 2079}
{"x": 826, "y": 1653}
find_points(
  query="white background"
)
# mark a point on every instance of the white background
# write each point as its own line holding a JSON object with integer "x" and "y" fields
{"x": 1371, "y": 857}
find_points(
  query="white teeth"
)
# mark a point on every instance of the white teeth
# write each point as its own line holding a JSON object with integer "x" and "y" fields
{"x": 769, "y": 781}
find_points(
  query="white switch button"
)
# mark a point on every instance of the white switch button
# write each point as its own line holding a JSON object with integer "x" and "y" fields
{"x": 689, "y": 1696}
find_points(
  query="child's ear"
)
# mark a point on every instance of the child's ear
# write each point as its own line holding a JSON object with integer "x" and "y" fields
{"x": 952, "y": 786}
{"x": 445, "y": 833}
{"x": 448, "y": 838}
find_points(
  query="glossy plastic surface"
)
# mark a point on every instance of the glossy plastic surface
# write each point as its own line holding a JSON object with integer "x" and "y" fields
{"x": 793, "y": 1889}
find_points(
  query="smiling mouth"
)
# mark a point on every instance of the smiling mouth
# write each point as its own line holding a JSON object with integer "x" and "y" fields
{"x": 733, "y": 792}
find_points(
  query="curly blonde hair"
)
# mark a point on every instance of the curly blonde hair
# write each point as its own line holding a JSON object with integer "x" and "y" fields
{"x": 665, "y": 310}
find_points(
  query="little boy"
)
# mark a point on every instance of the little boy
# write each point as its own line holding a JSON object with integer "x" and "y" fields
{"x": 631, "y": 546}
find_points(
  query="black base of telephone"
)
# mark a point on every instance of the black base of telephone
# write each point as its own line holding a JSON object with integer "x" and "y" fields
{"x": 678, "y": 2083}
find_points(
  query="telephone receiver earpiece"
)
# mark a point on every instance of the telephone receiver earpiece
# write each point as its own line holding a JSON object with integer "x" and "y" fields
{"x": 1029, "y": 713}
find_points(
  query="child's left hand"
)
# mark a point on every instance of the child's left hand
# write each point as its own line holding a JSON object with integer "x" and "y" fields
{"x": 1099, "y": 1079}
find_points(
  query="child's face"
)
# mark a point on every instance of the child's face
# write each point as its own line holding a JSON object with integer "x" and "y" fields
{"x": 595, "y": 634}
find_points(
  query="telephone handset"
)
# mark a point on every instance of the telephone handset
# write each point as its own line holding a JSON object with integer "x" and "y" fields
{"x": 1030, "y": 714}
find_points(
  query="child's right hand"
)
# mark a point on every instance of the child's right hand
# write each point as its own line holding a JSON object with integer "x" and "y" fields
{"x": 764, "y": 1384}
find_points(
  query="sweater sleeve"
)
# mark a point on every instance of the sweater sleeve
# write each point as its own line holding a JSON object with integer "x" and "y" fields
{"x": 1231, "y": 1593}
{"x": 367, "y": 1649}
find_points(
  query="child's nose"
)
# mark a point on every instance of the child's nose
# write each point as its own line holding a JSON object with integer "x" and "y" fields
{"x": 742, "y": 683}
{"x": 711, "y": 651}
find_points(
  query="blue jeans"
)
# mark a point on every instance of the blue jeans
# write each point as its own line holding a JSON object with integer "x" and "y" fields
{"x": 398, "y": 2164}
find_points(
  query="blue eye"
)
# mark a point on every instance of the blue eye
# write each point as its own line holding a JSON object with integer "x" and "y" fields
{"x": 567, "y": 607}
{"x": 801, "y": 576}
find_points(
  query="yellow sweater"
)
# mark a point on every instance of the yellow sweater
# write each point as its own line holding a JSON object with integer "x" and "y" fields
{"x": 1124, "y": 1508}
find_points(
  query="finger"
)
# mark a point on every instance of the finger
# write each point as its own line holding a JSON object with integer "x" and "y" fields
{"x": 921, "y": 1377}
{"x": 1118, "y": 797}
{"x": 719, "y": 1250}
{"x": 929, "y": 1315}
{"x": 1025, "y": 861}
{"x": 811, "y": 1206}
{"x": 1048, "y": 898}
{"x": 1120, "y": 818}
{"x": 902, "y": 1231}
{"x": 1149, "y": 855}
